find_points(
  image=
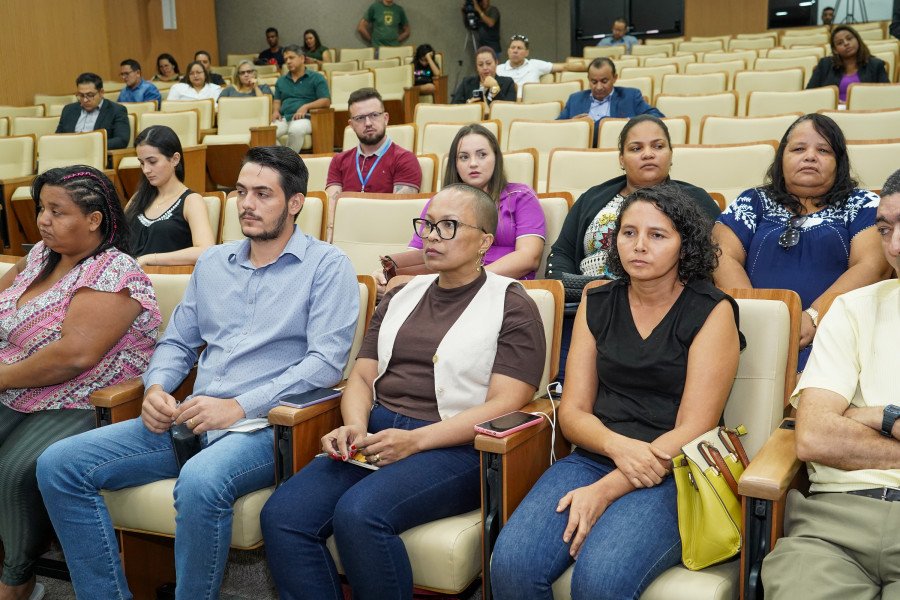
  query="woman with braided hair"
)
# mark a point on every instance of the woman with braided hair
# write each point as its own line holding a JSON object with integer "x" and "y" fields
{"x": 76, "y": 314}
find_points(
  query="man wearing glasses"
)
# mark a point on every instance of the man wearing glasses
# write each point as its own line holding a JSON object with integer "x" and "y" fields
{"x": 377, "y": 165}
{"x": 137, "y": 89}
{"x": 92, "y": 112}
{"x": 523, "y": 70}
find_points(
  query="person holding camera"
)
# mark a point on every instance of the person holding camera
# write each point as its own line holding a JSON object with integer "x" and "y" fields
{"x": 486, "y": 85}
{"x": 484, "y": 20}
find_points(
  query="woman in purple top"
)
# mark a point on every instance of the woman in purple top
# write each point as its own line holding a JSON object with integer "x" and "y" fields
{"x": 475, "y": 159}
{"x": 850, "y": 62}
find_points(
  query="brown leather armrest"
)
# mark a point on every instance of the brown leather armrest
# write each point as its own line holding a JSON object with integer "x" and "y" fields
{"x": 441, "y": 91}
{"x": 770, "y": 473}
{"x": 204, "y": 132}
{"x": 322, "y": 121}
{"x": 116, "y": 156}
{"x": 115, "y": 395}
{"x": 504, "y": 445}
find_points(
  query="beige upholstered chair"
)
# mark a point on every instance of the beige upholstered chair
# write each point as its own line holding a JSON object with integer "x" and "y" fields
{"x": 22, "y": 111}
{"x": 206, "y": 108}
{"x": 36, "y": 126}
{"x": 506, "y": 112}
{"x": 393, "y": 81}
{"x": 357, "y": 54}
{"x": 729, "y": 67}
{"x": 655, "y": 73}
{"x": 787, "y": 80}
{"x": 762, "y": 43}
{"x": 613, "y": 52}
{"x": 869, "y": 96}
{"x": 343, "y": 84}
{"x": 706, "y": 83}
{"x": 444, "y": 113}
{"x": 873, "y": 161}
{"x": 234, "y": 59}
{"x": 545, "y": 136}
{"x": 728, "y": 170}
{"x": 401, "y": 52}
{"x": 696, "y": 107}
{"x": 863, "y": 125}
{"x": 815, "y": 39}
{"x": 576, "y": 170}
{"x": 741, "y": 130}
{"x": 437, "y": 137}
{"x": 654, "y": 49}
{"x": 610, "y": 129}
{"x": 521, "y": 166}
{"x": 698, "y": 46}
{"x": 644, "y": 84}
{"x": 215, "y": 203}
{"x": 807, "y": 63}
{"x": 817, "y": 51}
{"x": 243, "y": 124}
{"x": 549, "y": 92}
{"x": 556, "y": 207}
{"x": 806, "y": 101}
{"x": 317, "y": 164}
{"x": 311, "y": 219}
{"x": 144, "y": 516}
{"x": 748, "y": 56}
{"x": 430, "y": 175}
{"x": 329, "y": 68}
{"x": 681, "y": 61}
{"x": 367, "y": 226}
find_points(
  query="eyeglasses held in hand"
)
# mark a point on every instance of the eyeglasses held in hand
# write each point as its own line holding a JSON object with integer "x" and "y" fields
{"x": 790, "y": 237}
{"x": 363, "y": 118}
{"x": 446, "y": 228}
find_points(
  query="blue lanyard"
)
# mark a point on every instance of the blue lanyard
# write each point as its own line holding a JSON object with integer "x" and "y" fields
{"x": 362, "y": 181}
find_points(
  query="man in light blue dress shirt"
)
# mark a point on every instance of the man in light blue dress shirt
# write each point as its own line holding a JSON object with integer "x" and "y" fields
{"x": 618, "y": 37}
{"x": 264, "y": 318}
{"x": 137, "y": 89}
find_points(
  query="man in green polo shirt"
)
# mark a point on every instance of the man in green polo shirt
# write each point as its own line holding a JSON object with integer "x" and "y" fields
{"x": 296, "y": 93}
{"x": 388, "y": 23}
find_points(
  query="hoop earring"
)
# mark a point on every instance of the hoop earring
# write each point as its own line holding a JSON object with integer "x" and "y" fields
{"x": 479, "y": 262}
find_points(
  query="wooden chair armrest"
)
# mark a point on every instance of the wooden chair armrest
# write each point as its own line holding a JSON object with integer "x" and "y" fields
{"x": 116, "y": 156}
{"x": 410, "y": 99}
{"x": 322, "y": 121}
{"x": 17, "y": 182}
{"x": 770, "y": 473}
{"x": 205, "y": 132}
{"x": 120, "y": 393}
{"x": 441, "y": 90}
{"x": 262, "y": 136}
{"x": 505, "y": 445}
{"x": 298, "y": 434}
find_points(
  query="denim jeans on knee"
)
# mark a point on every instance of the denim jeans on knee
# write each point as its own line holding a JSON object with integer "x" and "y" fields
{"x": 366, "y": 511}
{"x": 72, "y": 472}
{"x": 634, "y": 541}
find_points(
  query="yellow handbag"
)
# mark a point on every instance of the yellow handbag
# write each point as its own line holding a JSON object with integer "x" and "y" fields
{"x": 709, "y": 507}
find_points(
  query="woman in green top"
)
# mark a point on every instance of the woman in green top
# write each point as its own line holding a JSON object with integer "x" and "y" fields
{"x": 312, "y": 47}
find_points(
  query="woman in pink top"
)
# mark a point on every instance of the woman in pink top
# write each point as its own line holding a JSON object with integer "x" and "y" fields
{"x": 475, "y": 159}
{"x": 76, "y": 314}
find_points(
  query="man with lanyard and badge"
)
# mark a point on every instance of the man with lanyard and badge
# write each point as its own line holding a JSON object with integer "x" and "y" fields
{"x": 377, "y": 165}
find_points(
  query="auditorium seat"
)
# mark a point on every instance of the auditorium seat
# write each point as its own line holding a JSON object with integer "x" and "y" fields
{"x": 611, "y": 128}
{"x": 728, "y": 170}
{"x": 36, "y": 126}
{"x": 444, "y": 113}
{"x": 655, "y": 73}
{"x": 729, "y": 67}
{"x": 644, "y": 84}
{"x": 575, "y": 171}
{"x": 864, "y": 125}
{"x": 815, "y": 39}
{"x": 357, "y": 54}
{"x": 748, "y": 56}
{"x": 318, "y": 165}
{"x": 22, "y": 111}
{"x": 207, "y": 109}
{"x": 232, "y": 60}
{"x": 556, "y": 206}
{"x": 521, "y": 166}
{"x": 533, "y": 93}
{"x": 760, "y": 103}
{"x": 613, "y": 52}
{"x": 800, "y": 51}
{"x": 437, "y": 137}
{"x": 655, "y": 49}
{"x": 545, "y": 136}
{"x": 869, "y": 96}
{"x": 403, "y": 135}
{"x": 380, "y": 63}
{"x": 706, "y": 83}
{"x": 311, "y": 219}
{"x": 740, "y": 130}
{"x": 215, "y": 205}
{"x": 401, "y": 52}
{"x": 697, "y": 106}
{"x": 681, "y": 61}
{"x": 695, "y": 46}
{"x": 331, "y": 67}
{"x": 243, "y": 123}
{"x": 807, "y": 63}
{"x": 751, "y": 44}
{"x": 505, "y": 112}
{"x": 873, "y": 161}
{"x": 787, "y": 80}
{"x": 17, "y": 167}
{"x": 428, "y": 163}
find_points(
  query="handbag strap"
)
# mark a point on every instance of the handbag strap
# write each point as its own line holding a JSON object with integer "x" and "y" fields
{"x": 731, "y": 439}
{"x": 714, "y": 458}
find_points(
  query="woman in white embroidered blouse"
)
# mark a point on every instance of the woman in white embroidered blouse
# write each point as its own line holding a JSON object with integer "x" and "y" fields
{"x": 195, "y": 86}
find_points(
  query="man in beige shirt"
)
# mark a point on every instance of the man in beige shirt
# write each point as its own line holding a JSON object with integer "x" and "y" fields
{"x": 843, "y": 540}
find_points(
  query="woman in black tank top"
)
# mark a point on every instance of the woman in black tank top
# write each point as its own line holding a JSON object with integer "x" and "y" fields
{"x": 653, "y": 357}
{"x": 167, "y": 222}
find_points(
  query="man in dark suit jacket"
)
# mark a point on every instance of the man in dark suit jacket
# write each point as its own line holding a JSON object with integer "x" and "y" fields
{"x": 604, "y": 99}
{"x": 92, "y": 112}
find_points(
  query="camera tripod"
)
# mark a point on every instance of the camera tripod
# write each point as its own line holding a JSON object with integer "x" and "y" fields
{"x": 850, "y": 17}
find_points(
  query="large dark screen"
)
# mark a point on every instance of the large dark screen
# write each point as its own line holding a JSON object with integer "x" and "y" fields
{"x": 592, "y": 17}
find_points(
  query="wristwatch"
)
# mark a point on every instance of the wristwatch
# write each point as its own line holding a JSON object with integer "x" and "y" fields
{"x": 891, "y": 414}
{"x": 814, "y": 315}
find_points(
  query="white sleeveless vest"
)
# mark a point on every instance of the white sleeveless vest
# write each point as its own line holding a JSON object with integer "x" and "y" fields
{"x": 463, "y": 361}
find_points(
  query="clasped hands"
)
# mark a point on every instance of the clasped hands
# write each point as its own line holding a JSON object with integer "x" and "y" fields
{"x": 160, "y": 411}
{"x": 386, "y": 447}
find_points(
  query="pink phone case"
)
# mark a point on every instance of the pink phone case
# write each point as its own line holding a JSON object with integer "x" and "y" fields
{"x": 502, "y": 434}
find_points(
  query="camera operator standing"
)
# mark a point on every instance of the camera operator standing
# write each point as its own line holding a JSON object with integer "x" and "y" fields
{"x": 484, "y": 20}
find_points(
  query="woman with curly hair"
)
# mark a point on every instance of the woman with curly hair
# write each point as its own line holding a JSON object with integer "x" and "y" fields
{"x": 850, "y": 62}
{"x": 807, "y": 229}
{"x": 653, "y": 357}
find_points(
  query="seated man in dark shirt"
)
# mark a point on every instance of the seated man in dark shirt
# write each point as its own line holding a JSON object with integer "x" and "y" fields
{"x": 92, "y": 112}
{"x": 202, "y": 57}
{"x": 274, "y": 54}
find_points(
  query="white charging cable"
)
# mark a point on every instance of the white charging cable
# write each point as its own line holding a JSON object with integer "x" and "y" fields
{"x": 552, "y": 387}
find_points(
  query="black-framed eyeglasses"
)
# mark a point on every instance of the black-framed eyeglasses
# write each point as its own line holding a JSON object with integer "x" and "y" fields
{"x": 446, "y": 228}
{"x": 519, "y": 38}
{"x": 790, "y": 237}
{"x": 246, "y": 72}
{"x": 363, "y": 118}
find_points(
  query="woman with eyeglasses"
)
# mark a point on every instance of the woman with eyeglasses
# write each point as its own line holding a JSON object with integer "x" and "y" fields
{"x": 485, "y": 86}
{"x": 443, "y": 353}
{"x": 195, "y": 86}
{"x": 475, "y": 159}
{"x": 807, "y": 229}
{"x": 247, "y": 84}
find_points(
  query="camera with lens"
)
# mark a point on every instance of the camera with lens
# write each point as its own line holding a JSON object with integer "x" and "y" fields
{"x": 470, "y": 17}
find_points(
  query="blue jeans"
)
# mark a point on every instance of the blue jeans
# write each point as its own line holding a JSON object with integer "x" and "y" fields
{"x": 366, "y": 511}
{"x": 72, "y": 472}
{"x": 631, "y": 543}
